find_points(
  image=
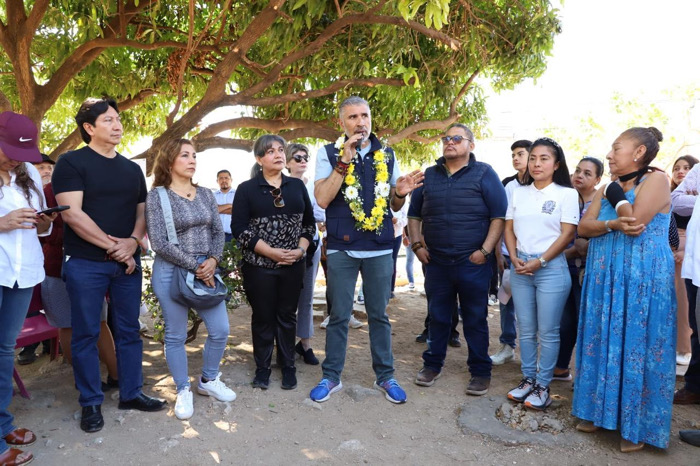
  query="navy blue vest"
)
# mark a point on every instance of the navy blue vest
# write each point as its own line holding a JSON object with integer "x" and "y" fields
{"x": 455, "y": 217}
{"x": 340, "y": 225}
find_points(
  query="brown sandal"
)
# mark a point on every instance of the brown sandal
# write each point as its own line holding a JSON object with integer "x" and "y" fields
{"x": 20, "y": 438}
{"x": 628, "y": 447}
{"x": 587, "y": 427}
{"x": 12, "y": 457}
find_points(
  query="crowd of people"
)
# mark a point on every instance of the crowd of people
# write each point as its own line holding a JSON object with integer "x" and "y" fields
{"x": 606, "y": 270}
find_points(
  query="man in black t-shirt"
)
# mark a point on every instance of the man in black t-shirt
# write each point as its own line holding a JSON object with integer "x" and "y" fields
{"x": 106, "y": 193}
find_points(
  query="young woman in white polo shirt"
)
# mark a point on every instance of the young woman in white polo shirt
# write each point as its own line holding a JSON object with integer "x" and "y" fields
{"x": 540, "y": 223}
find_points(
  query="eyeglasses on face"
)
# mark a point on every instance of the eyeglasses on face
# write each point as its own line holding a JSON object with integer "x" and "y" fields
{"x": 299, "y": 157}
{"x": 456, "y": 138}
{"x": 277, "y": 194}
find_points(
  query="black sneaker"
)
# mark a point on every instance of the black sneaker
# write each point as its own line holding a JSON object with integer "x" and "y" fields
{"x": 27, "y": 356}
{"x": 478, "y": 386}
{"x": 422, "y": 338}
{"x": 262, "y": 378}
{"x": 109, "y": 384}
{"x": 289, "y": 378}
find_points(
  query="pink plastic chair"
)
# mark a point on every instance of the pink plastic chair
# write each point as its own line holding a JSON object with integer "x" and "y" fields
{"x": 35, "y": 329}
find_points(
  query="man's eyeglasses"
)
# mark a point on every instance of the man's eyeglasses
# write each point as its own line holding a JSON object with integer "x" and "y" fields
{"x": 298, "y": 158}
{"x": 457, "y": 139}
{"x": 277, "y": 194}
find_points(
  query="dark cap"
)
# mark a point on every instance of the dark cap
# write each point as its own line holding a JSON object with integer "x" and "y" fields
{"x": 46, "y": 159}
{"x": 18, "y": 138}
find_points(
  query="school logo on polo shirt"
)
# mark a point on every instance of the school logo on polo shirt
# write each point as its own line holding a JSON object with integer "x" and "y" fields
{"x": 548, "y": 207}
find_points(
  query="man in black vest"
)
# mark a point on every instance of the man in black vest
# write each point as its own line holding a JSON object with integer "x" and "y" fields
{"x": 357, "y": 180}
{"x": 461, "y": 207}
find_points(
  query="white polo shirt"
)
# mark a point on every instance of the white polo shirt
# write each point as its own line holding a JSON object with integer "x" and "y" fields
{"x": 221, "y": 199}
{"x": 538, "y": 214}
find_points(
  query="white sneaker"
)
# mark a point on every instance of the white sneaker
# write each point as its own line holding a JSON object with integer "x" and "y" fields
{"x": 411, "y": 286}
{"x": 521, "y": 392}
{"x": 360, "y": 299}
{"x": 217, "y": 389}
{"x": 493, "y": 300}
{"x": 538, "y": 398}
{"x": 354, "y": 323}
{"x": 503, "y": 355}
{"x": 183, "y": 405}
{"x": 683, "y": 359}
{"x": 324, "y": 324}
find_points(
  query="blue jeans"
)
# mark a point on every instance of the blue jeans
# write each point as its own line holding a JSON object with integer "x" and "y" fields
{"x": 88, "y": 282}
{"x": 376, "y": 279}
{"x": 539, "y": 302}
{"x": 175, "y": 317}
{"x": 14, "y": 303}
{"x": 508, "y": 333}
{"x": 410, "y": 256}
{"x": 443, "y": 284}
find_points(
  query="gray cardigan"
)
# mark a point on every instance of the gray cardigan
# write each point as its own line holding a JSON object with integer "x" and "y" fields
{"x": 197, "y": 223}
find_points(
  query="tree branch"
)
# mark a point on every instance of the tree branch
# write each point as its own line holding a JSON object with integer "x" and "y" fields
{"x": 421, "y": 126}
{"x": 462, "y": 91}
{"x": 273, "y": 126}
{"x": 295, "y": 97}
{"x": 36, "y": 15}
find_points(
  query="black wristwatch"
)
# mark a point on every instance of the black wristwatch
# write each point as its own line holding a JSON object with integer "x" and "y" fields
{"x": 484, "y": 252}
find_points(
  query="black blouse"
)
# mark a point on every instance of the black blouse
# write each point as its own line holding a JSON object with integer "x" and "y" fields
{"x": 255, "y": 217}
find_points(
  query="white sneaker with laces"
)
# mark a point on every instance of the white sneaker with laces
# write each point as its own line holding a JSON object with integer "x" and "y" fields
{"x": 354, "y": 323}
{"x": 217, "y": 389}
{"x": 411, "y": 286}
{"x": 523, "y": 389}
{"x": 183, "y": 405}
{"x": 493, "y": 300}
{"x": 538, "y": 398}
{"x": 324, "y": 324}
{"x": 504, "y": 354}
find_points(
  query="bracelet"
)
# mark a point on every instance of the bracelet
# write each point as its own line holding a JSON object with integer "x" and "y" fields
{"x": 607, "y": 227}
{"x": 136, "y": 239}
{"x": 483, "y": 251}
{"x": 341, "y": 170}
{"x": 416, "y": 246}
{"x": 396, "y": 195}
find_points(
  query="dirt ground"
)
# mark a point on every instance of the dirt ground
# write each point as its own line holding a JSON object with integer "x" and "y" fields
{"x": 357, "y": 425}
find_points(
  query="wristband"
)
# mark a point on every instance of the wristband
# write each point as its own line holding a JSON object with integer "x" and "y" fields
{"x": 341, "y": 170}
{"x": 416, "y": 246}
{"x": 607, "y": 227}
{"x": 615, "y": 195}
{"x": 400, "y": 197}
{"x": 138, "y": 243}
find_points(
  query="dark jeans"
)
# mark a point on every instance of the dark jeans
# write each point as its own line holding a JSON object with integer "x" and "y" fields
{"x": 443, "y": 284}
{"x": 454, "y": 333}
{"x": 568, "y": 328}
{"x": 395, "y": 257}
{"x": 87, "y": 283}
{"x": 455, "y": 317}
{"x": 508, "y": 331}
{"x": 228, "y": 237}
{"x": 692, "y": 376}
{"x": 273, "y": 294}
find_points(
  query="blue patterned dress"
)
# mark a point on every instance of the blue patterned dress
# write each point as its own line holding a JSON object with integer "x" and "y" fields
{"x": 626, "y": 352}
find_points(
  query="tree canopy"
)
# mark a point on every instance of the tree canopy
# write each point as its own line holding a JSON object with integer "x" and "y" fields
{"x": 274, "y": 65}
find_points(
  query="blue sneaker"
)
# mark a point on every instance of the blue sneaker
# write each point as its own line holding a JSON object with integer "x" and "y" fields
{"x": 324, "y": 390}
{"x": 392, "y": 391}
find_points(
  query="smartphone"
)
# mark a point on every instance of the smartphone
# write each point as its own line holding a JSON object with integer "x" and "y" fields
{"x": 50, "y": 211}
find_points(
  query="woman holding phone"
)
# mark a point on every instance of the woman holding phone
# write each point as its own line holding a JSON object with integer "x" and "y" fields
{"x": 22, "y": 263}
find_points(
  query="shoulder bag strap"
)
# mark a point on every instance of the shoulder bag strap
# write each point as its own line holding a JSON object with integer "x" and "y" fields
{"x": 168, "y": 214}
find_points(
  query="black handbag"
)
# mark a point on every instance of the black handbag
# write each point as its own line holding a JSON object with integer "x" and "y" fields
{"x": 185, "y": 287}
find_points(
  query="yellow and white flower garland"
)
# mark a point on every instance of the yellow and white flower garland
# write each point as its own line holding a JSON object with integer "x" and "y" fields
{"x": 351, "y": 193}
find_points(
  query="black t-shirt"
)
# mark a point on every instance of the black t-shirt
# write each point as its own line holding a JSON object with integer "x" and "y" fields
{"x": 112, "y": 189}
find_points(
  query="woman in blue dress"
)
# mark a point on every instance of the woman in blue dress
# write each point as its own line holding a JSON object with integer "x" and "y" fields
{"x": 625, "y": 359}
